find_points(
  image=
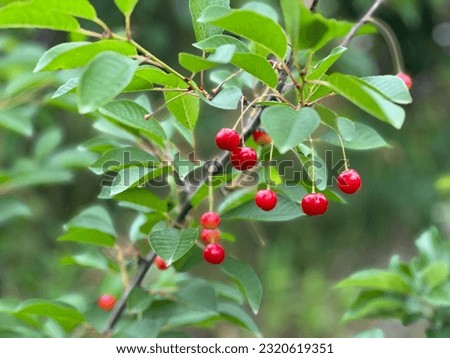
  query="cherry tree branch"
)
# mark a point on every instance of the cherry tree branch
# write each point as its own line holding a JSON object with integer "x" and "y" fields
{"x": 144, "y": 264}
{"x": 361, "y": 22}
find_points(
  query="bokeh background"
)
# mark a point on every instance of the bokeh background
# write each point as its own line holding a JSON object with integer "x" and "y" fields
{"x": 406, "y": 186}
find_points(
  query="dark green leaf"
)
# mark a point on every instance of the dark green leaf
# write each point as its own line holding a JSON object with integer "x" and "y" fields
{"x": 245, "y": 279}
{"x": 237, "y": 315}
{"x": 251, "y": 25}
{"x": 139, "y": 300}
{"x": 104, "y": 78}
{"x": 367, "y": 98}
{"x": 132, "y": 177}
{"x": 172, "y": 244}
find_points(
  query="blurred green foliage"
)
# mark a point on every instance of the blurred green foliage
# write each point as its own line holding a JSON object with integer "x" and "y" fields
{"x": 405, "y": 186}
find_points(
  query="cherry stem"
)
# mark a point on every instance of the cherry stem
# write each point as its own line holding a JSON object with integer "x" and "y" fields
{"x": 211, "y": 171}
{"x": 313, "y": 169}
{"x": 270, "y": 164}
{"x": 343, "y": 151}
{"x": 392, "y": 42}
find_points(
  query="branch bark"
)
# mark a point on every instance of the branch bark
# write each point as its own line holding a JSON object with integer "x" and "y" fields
{"x": 361, "y": 22}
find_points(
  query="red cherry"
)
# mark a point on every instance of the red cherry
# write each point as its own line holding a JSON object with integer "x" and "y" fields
{"x": 209, "y": 236}
{"x": 106, "y": 302}
{"x": 243, "y": 158}
{"x": 266, "y": 199}
{"x": 214, "y": 254}
{"x": 405, "y": 78}
{"x": 227, "y": 139}
{"x": 349, "y": 181}
{"x": 314, "y": 204}
{"x": 210, "y": 220}
{"x": 160, "y": 263}
{"x": 261, "y": 137}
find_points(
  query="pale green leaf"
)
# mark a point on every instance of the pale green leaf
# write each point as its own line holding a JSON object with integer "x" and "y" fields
{"x": 78, "y": 54}
{"x": 24, "y": 14}
{"x": 435, "y": 274}
{"x": 184, "y": 106}
{"x": 228, "y": 98}
{"x": 126, "y": 6}
{"x": 288, "y": 127}
{"x": 196, "y": 7}
{"x": 391, "y": 87}
{"x": 376, "y": 280}
{"x": 131, "y": 115}
{"x": 78, "y": 8}
{"x": 257, "y": 66}
{"x": 104, "y": 78}
{"x": 211, "y": 43}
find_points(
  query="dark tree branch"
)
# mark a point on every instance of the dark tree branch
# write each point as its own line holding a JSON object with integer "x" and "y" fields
{"x": 314, "y": 5}
{"x": 361, "y": 22}
{"x": 220, "y": 164}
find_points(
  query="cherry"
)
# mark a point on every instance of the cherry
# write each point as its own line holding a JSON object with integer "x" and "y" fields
{"x": 266, "y": 199}
{"x": 405, "y": 78}
{"x": 314, "y": 204}
{"x": 214, "y": 254}
{"x": 210, "y": 220}
{"x": 227, "y": 139}
{"x": 106, "y": 302}
{"x": 349, "y": 181}
{"x": 160, "y": 263}
{"x": 243, "y": 158}
{"x": 209, "y": 236}
{"x": 261, "y": 137}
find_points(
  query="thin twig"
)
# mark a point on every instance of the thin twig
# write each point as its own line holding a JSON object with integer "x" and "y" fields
{"x": 361, "y": 22}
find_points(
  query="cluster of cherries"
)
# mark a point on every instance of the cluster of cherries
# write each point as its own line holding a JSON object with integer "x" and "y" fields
{"x": 213, "y": 253}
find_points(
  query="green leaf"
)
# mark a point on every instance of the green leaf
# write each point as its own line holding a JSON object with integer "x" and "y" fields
{"x": 78, "y": 54}
{"x": 288, "y": 127}
{"x": 375, "y": 304}
{"x": 364, "y": 138}
{"x": 344, "y": 126}
{"x": 322, "y": 66}
{"x": 146, "y": 77}
{"x": 47, "y": 143}
{"x": 391, "y": 87}
{"x": 134, "y": 176}
{"x": 119, "y": 158}
{"x": 376, "y": 280}
{"x": 223, "y": 54}
{"x": 184, "y": 106}
{"x": 238, "y": 316}
{"x": 139, "y": 300}
{"x": 251, "y": 25}
{"x": 67, "y": 316}
{"x": 131, "y": 114}
{"x": 370, "y": 333}
{"x": 435, "y": 274}
{"x": 198, "y": 294}
{"x": 18, "y": 119}
{"x": 172, "y": 244}
{"x": 90, "y": 259}
{"x": 212, "y": 43}
{"x": 25, "y": 14}
{"x": 431, "y": 246}
{"x": 367, "y": 98}
{"x": 142, "y": 197}
{"x": 245, "y": 279}
{"x": 143, "y": 328}
{"x": 311, "y": 30}
{"x": 228, "y": 98}
{"x": 66, "y": 87}
{"x": 257, "y": 66}
{"x": 440, "y": 296}
{"x": 196, "y": 7}
{"x": 103, "y": 79}
{"x": 126, "y": 6}
{"x": 11, "y": 209}
{"x": 91, "y": 226}
{"x": 78, "y": 8}
{"x": 285, "y": 210}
